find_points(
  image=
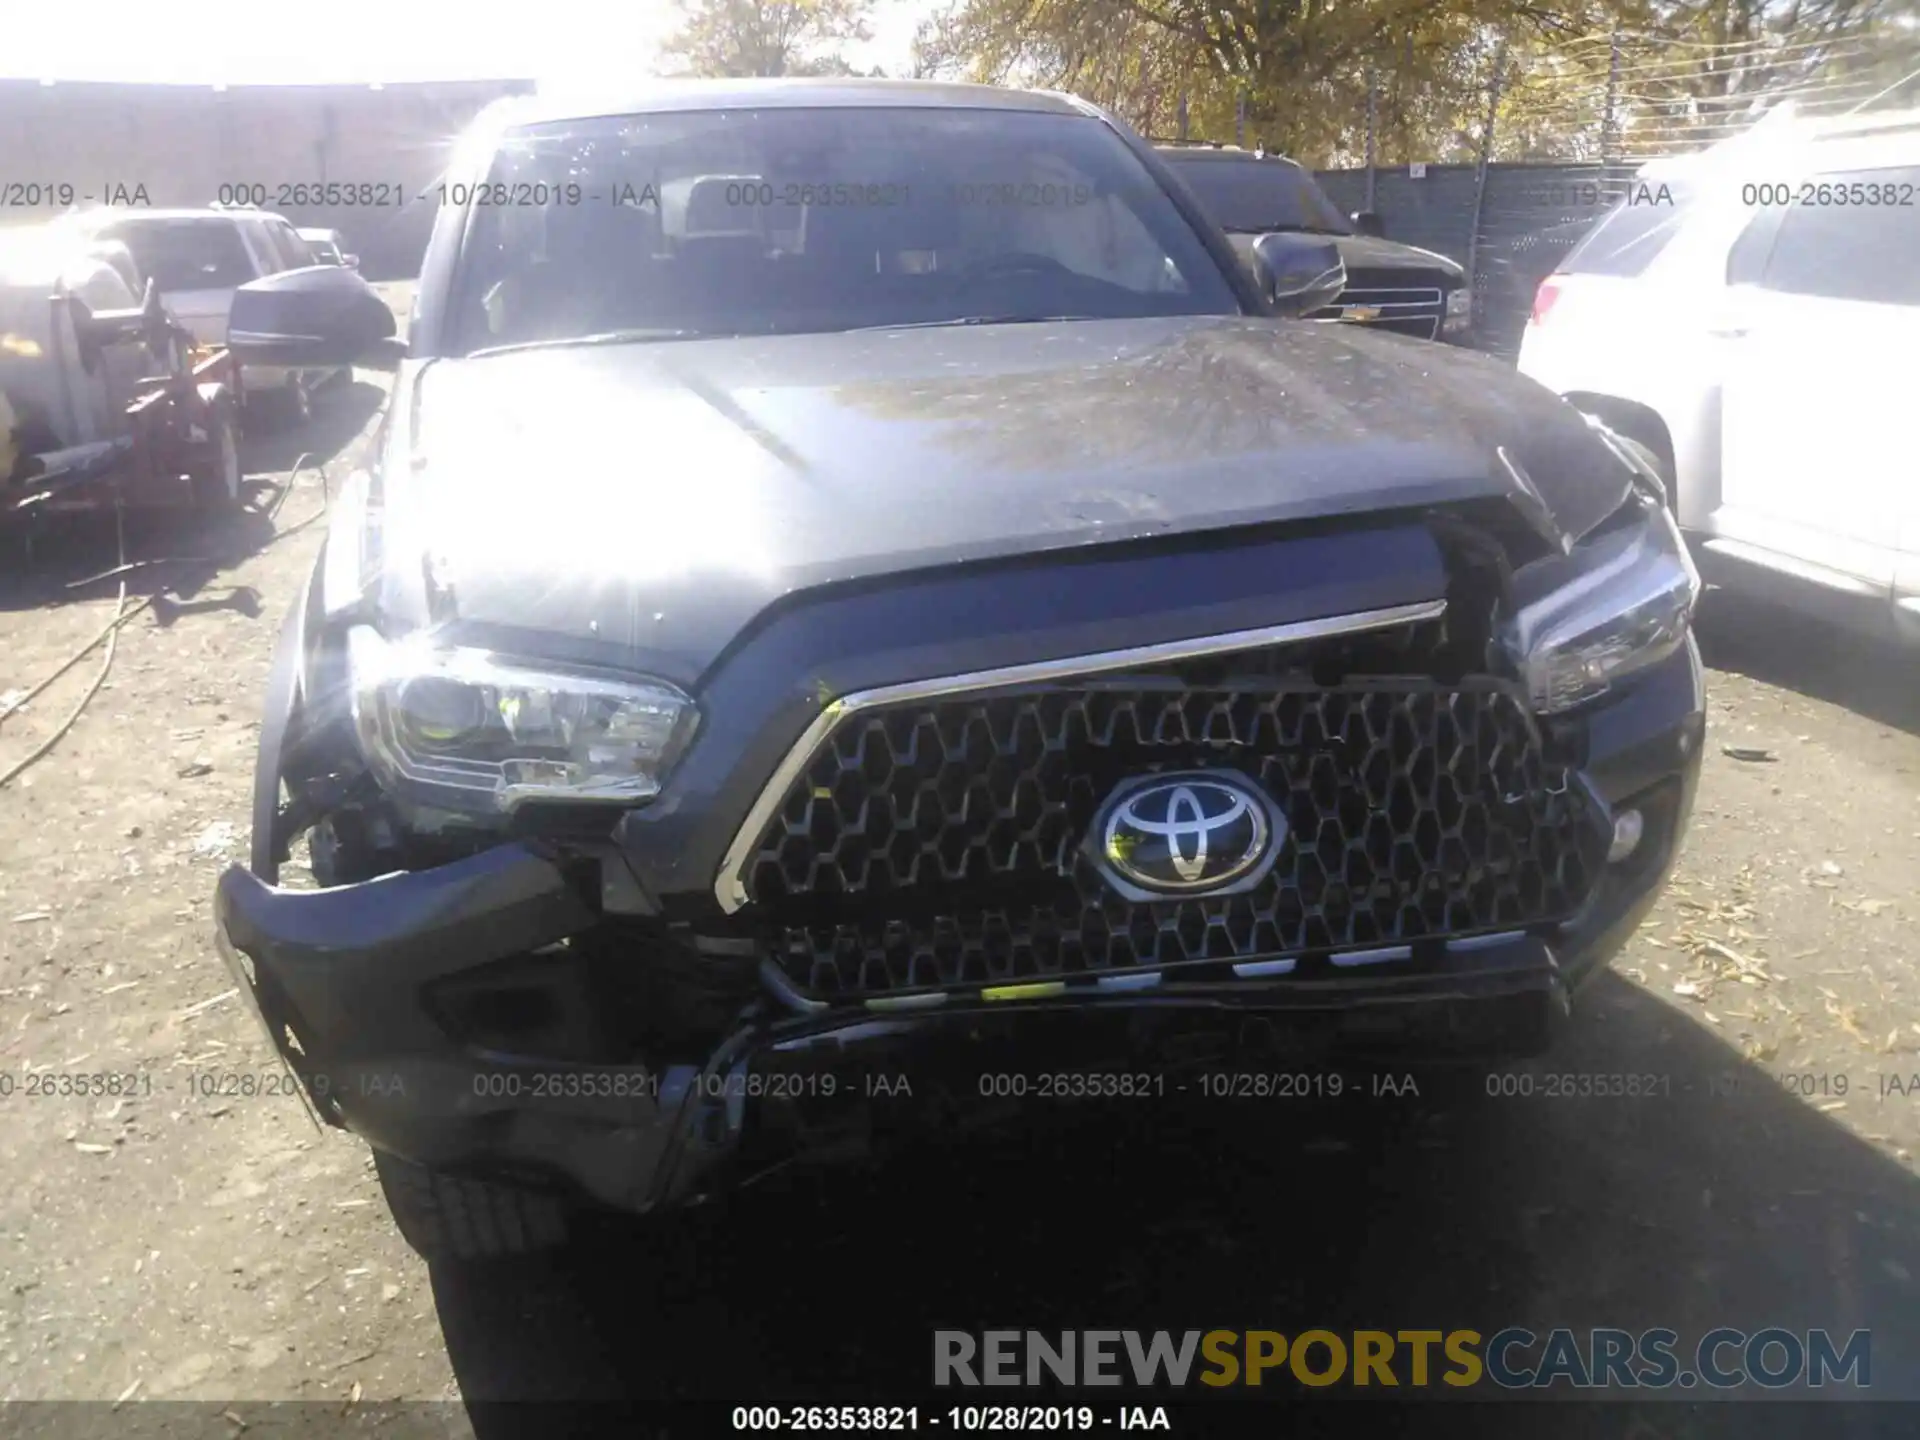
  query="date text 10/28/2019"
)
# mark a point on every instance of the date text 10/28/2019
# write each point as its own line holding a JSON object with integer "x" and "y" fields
{"x": 867, "y": 1418}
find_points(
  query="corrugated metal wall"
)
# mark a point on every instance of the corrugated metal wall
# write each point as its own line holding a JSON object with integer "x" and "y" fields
{"x": 183, "y": 142}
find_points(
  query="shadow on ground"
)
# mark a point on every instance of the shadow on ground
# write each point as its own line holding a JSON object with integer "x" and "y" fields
{"x": 1715, "y": 1200}
{"x": 340, "y": 412}
{"x": 175, "y": 555}
{"x": 1784, "y": 647}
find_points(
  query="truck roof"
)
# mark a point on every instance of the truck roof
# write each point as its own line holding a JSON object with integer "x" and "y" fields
{"x": 105, "y": 215}
{"x": 766, "y": 94}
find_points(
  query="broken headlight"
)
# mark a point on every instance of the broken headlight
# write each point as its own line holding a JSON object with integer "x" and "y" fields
{"x": 470, "y": 730}
{"x": 1627, "y": 605}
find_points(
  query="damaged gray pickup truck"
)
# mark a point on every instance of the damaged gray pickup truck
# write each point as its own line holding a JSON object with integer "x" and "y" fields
{"x": 858, "y": 589}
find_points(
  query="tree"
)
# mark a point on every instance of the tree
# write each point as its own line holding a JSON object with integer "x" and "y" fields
{"x": 1708, "y": 68}
{"x": 742, "y": 38}
{"x": 1299, "y": 67}
{"x": 1296, "y": 73}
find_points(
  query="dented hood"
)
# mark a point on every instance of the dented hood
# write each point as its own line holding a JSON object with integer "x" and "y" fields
{"x": 652, "y": 498}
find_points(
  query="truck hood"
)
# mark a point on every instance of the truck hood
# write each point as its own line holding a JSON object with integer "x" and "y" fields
{"x": 1368, "y": 252}
{"x": 1366, "y": 256}
{"x": 649, "y": 500}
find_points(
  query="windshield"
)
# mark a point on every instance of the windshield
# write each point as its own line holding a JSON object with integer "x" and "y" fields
{"x": 186, "y": 254}
{"x": 1253, "y": 196}
{"x": 805, "y": 220}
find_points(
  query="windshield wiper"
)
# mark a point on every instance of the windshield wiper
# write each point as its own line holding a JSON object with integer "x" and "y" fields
{"x": 969, "y": 320}
{"x": 1283, "y": 230}
{"x": 602, "y": 337}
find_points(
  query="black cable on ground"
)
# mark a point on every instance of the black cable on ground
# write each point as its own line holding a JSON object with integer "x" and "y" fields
{"x": 134, "y": 565}
{"x": 112, "y": 633}
{"x": 122, "y": 614}
{"x": 293, "y": 478}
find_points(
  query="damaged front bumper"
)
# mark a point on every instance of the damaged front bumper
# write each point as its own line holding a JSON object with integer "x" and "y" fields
{"x": 343, "y": 980}
{"x": 347, "y": 982}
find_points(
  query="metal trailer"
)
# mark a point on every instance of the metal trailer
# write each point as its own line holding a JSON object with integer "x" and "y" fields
{"x": 177, "y": 447}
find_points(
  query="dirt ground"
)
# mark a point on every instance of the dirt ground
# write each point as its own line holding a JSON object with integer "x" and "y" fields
{"x": 180, "y": 1244}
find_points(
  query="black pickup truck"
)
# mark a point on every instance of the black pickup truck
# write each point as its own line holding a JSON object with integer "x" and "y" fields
{"x": 1390, "y": 286}
{"x": 883, "y": 591}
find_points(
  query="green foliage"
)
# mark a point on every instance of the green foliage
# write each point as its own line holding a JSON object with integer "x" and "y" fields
{"x": 1296, "y": 74}
{"x": 741, "y": 38}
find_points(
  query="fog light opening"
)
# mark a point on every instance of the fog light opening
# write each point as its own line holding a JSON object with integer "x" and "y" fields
{"x": 1628, "y": 827}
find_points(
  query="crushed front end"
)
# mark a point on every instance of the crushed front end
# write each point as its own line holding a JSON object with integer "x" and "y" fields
{"x": 965, "y": 823}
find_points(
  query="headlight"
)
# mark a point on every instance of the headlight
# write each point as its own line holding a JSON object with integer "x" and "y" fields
{"x": 1628, "y": 606}
{"x": 1459, "y": 307}
{"x": 487, "y": 733}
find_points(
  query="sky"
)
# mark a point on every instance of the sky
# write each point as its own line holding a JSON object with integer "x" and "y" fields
{"x": 241, "y": 42}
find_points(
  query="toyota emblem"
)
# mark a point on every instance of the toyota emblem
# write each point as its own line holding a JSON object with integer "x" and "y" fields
{"x": 1193, "y": 833}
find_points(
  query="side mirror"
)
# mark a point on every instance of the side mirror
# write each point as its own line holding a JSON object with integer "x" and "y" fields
{"x": 1300, "y": 273}
{"x": 314, "y": 318}
{"x": 352, "y": 262}
{"x": 1368, "y": 222}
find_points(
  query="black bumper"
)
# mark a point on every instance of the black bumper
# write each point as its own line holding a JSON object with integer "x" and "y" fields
{"x": 344, "y": 978}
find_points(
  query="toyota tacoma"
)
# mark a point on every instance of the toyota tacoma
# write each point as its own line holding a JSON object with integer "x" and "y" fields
{"x": 858, "y": 582}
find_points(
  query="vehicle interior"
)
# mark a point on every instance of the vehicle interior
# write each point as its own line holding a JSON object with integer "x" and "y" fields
{"x": 732, "y": 238}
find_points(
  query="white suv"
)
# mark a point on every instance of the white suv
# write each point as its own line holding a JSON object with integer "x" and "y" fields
{"x": 1752, "y": 315}
{"x": 198, "y": 258}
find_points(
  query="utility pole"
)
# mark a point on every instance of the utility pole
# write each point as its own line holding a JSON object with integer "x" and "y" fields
{"x": 1610, "y": 121}
{"x": 1183, "y": 115}
{"x": 1486, "y": 158}
{"x": 1240, "y": 119}
{"x": 1373, "y": 128}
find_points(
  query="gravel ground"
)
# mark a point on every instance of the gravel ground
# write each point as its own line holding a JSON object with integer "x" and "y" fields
{"x": 180, "y": 1244}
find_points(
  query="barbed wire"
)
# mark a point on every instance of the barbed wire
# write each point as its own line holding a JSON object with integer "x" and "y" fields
{"x": 1607, "y": 94}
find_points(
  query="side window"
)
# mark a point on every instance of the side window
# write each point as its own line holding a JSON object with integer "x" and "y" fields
{"x": 294, "y": 253}
{"x": 1857, "y": 239}
{"x": 265, "y": 260}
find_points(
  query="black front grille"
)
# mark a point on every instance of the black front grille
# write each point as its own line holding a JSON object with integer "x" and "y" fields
{"x": 938, "y": 844}
{"x": 1405, "y": 310}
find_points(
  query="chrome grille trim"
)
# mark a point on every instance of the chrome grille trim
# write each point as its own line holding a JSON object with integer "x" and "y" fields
{"x": 729, "y": 887}
{"x": 1413, "y": 297}
{"x": 1415, "y": 310}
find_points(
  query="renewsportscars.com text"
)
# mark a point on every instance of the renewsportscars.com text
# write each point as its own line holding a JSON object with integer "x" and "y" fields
{"x": 1512, "y": 1358}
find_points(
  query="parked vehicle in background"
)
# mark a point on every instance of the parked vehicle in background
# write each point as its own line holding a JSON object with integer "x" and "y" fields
{"x": 1020, "y": 643}
{"x": 1752, "y": 315}
{"x": 198, "y": 258}
{"x": 1390, "y": 286}
{"x": 102, "y": 400}
{"x": 329, "y": 247}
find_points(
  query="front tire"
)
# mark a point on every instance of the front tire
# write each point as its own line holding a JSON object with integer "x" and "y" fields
{"x": 456, "y": 1217}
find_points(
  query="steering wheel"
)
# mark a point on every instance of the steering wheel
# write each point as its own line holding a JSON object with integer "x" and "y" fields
{"x": 1014, "y": 263}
